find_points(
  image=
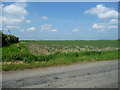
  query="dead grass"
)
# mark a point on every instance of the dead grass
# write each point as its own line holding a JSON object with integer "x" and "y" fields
{"x": 18, "y": 62}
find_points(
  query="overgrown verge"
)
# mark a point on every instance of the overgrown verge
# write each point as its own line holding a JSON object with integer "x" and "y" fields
{"x": 17, "y": 56}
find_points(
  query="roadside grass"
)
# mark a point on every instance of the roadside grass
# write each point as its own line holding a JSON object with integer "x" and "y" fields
{"x": 15, "y": 52}
{"x": 32, "y": 54}
{"x": 64, "y": 59}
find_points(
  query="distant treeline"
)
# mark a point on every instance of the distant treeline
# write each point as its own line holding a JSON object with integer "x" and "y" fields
{"x": 8, "y": 39}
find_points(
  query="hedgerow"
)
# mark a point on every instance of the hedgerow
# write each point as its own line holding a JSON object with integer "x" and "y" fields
{"x": 8, "y": 39}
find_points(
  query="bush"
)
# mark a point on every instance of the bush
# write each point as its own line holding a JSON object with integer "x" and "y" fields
{"x": 13, "y": 39}
{"x": 8, "y": 39}
{"x": 4, "y": 40}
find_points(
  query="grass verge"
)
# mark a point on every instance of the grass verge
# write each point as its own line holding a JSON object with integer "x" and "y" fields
{"x": 63, "y": 59}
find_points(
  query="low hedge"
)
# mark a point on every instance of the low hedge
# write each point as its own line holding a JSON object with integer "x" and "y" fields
{"x": 8, "y": 39}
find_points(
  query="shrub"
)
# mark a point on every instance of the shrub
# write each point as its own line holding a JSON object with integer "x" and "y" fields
{"x": 8, "y": 39}
{"x": 13, "y": 39}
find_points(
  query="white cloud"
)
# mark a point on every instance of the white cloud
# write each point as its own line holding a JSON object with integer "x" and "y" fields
{"x": 113, "y": 21}
{"x": 98, "y": 9}
{"x": 112, "y": 27}
{"x": 48, "y": 27}
{"x": 103, "y": 12}
{"x": 76, "y": 30}
{"x": 44, "y": 18}
{"x": 14, "y": 13}
{"x": 53, "y": 30}
{"x": 15, "y": 9}
{"x": 98, "y": 26}
{"x": 31, "y": 29}
{"x": 13, "y": 27}
{"x": 108, "y": 14}
{"x": 28, "y": 21}
{"x": 104, "y": 26}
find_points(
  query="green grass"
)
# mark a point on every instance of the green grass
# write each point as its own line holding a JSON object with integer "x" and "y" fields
{"x": 15, "y": 52}
{"x": 61, "y": 52}
{"x": 65, "y": 58}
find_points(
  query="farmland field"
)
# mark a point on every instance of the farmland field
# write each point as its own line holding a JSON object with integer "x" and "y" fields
{"x": 33, "y": 54}
{"x": 50, "y": 47}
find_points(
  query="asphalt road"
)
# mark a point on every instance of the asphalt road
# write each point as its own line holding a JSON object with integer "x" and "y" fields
{"x": 103, "y": 74}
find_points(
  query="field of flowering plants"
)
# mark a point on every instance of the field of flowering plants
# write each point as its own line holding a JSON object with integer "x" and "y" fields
{"x": 33, "y": 54}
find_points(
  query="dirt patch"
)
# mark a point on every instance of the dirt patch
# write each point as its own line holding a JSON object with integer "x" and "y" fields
{"x": 38, "y": 50}
{"x": 19, "y": 62}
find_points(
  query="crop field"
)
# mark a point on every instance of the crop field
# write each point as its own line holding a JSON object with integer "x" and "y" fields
{"x": 33, "y": 54}
{"x": 50, "y": 47}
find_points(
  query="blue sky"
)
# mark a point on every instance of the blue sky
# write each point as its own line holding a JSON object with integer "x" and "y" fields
{"x": 61, "y": 20}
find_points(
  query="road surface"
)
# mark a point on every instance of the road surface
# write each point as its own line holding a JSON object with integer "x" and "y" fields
{"x": 102, "y": 74}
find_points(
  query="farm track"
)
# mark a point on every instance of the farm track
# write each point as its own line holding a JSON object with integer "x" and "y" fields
{"x": 103, "y": 74}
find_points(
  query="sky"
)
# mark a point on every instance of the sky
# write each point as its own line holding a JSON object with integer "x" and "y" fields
{"x": 61, "y": 20}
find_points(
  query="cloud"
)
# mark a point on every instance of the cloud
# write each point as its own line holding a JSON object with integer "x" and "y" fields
{"x": 48, "y": 27}
{"x": 13, "y": 27}
{"x": 28, "y": 29}
{"x": 98, "y": 26}
{"x": 113, "y": 21}
{"x": 14, "y": 13}
{"x": 104, "y": 26}
{"x": 28, "y": 21}
{"x": 53, "y": 30}
{"x": 103, "y": 12}
{"x": 31, "y": 29}
{"x": 44, "y": 18}
{"x": 15, "y": 8}
{"x": 76, "y": 30}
